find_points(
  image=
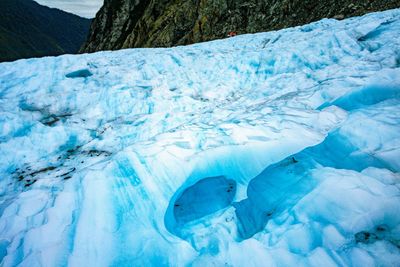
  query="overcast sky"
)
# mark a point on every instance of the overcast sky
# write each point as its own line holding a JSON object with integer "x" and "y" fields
{"x": 83, "y": 8}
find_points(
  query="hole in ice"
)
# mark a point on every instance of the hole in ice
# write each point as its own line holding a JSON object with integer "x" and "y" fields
{"x": 365, "y": 237}
{"x": 203, "y": 198}
{"x": 83, "y": 73}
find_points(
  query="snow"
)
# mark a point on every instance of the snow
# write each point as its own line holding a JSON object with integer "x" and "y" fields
{"x": 281, "y": 148}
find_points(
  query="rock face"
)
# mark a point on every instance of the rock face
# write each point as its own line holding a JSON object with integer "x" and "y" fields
{"x": 28, "y": 29}
{"x": 163, "y": 23}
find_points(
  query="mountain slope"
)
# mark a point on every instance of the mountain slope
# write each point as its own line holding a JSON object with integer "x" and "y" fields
{"x": 164, "y": 23}
{"x": 269, "y": 149}
{"x": 28, "y": 29}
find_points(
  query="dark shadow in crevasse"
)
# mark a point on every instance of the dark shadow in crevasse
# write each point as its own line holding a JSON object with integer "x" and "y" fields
{"x": 203, "y": 198}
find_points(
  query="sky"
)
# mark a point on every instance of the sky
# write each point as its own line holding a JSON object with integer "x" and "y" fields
{"x": 83, "y": 8}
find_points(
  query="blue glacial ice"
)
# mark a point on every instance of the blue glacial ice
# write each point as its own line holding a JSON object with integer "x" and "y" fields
{"x": 269, "y": 149}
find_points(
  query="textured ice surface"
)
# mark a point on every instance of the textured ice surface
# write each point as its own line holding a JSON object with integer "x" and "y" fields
{"x": 272, "y": 149}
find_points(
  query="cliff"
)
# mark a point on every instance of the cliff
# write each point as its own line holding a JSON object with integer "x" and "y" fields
{"x": 164, "y": 23}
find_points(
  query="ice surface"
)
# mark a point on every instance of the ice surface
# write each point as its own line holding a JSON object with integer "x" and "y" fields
{"x": 271, "y": 149}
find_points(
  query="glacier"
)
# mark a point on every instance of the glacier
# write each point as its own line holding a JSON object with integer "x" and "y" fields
{"x": 269, "y": 149}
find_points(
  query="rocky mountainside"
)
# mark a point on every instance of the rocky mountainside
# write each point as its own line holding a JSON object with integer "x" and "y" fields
{"x": 163, "y": 23}
{"x": 28, "y": 29}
